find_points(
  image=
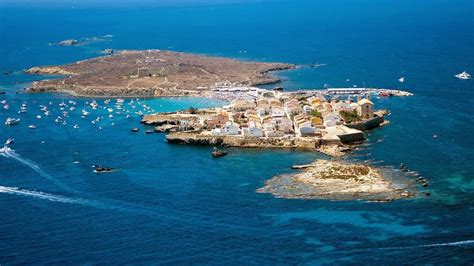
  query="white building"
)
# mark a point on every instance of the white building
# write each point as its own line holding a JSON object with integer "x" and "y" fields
{"x": 230, "y": 128}
{"x": 254, "y": 129}
{"x": 278, "y": 112}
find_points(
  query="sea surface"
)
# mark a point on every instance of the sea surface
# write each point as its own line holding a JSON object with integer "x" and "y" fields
{"x": 175, "y": 204}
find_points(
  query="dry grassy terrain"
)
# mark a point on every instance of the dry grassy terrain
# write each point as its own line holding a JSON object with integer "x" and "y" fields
{"x": 152, "y": 73}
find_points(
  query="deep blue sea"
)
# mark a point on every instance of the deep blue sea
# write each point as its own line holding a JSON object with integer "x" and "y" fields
{"x": 175, "y": 204}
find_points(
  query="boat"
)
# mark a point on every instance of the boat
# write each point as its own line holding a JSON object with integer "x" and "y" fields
{"x": 103, "y": 169}
{"x": 218, "y": 153}
{"x": 5, "y": 149}
{"x": 12, "y": 121}
{"x": 9, "y": 142}
{"x": 463, "y": 75}
{"x": 401, "y": 80}
{"x": 75, "y": 127}
{"x": 135, "y": 129}
{"x": 38, "y": 116}
{"x": 32, "y": 126}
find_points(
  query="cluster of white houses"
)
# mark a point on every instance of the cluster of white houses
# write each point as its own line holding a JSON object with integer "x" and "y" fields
{"x": 277, "y": 114}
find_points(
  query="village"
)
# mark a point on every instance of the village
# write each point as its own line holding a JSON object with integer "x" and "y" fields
{"x": 269, "y": 115}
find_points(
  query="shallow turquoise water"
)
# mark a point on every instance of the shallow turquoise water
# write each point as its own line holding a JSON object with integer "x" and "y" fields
{"x": 175, "y": 204}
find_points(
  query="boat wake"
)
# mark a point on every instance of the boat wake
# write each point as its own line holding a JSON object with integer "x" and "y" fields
{"x": 9, "y": 153}
{"x": 444, "y": 244}
{"x": 39, "y": 195}
{"x": 457, "y": 243}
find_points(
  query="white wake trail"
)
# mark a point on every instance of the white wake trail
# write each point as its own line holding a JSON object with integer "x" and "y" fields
{"x": 37, "y": 194}
{"x": 9, "y": 153}
{"x": 57, "y": 198}
{"x": 457, "y": 243}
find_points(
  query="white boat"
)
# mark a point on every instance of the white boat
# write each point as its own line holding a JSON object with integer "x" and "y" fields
{"x": 5, "y": 149}
{"x": 76, "y": 127}
{"x": 463, "y": 75}
{"x": 9, "y": 141}
{"x": 12, "y": 121}
{"x": 402, "y": 79}
{"x": 94, "y": 105}
{"x": 110, "y": 110}
{"x": 38, "y": 116}
{"x": 32, "y": 127}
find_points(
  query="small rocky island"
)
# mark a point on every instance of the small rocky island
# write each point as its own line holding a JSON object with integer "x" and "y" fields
{"x": 338, "y": 181}
{"x": 152, "y": 73}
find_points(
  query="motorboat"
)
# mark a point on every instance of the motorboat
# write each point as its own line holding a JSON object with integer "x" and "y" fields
{"x": 76, "y": 126}
{"x": 32, "y": 126}
{"x": 218, "y": 153}
{"x": 103, "y": 169}
{"x": 463, "y": 75}
{"x": 12, "y": 121}
{"x": 9, "y": 142}
{"x": 401, "y": 80}
{"x": 5, "y": 149}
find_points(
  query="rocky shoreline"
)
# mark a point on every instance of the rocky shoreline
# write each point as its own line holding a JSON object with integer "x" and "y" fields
{"x": 333, "y": 180}
{"x": 298, "y": 143}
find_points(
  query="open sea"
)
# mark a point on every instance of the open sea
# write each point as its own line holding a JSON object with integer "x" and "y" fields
{"x": 173, "y": 204}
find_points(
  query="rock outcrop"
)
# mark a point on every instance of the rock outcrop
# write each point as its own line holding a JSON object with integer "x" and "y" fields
{"x": 338, "y": 181}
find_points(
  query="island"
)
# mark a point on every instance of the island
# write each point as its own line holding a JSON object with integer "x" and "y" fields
{"x": 331, "y": 120}
{"x": 333, "y": 180}
{"x": 152, "y": 73}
